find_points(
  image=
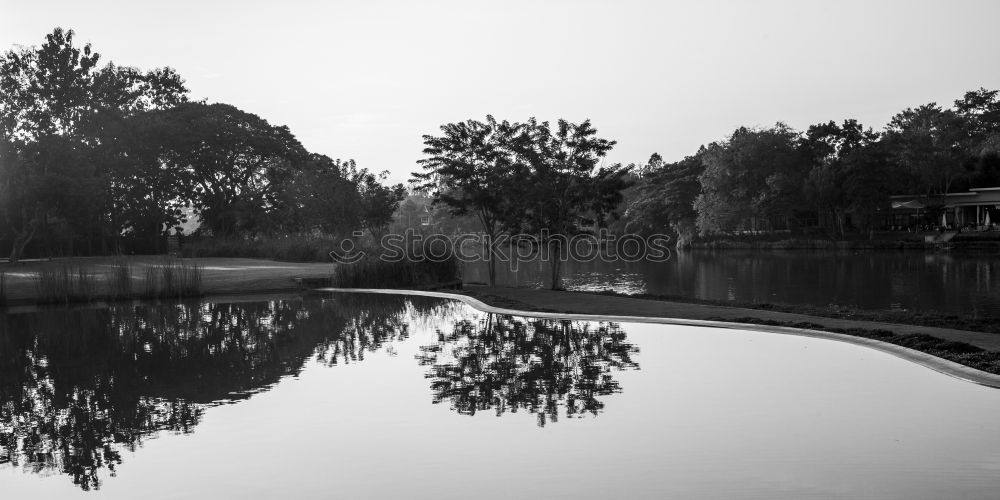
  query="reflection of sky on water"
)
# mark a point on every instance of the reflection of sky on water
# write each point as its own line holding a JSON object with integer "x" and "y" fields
{"x": 331, "y": 395}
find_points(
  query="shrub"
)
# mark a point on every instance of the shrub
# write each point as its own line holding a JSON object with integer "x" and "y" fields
{"x": 377, "y": 273}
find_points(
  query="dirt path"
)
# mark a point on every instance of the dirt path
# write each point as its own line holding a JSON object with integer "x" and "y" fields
{"x": 585, "y": 303}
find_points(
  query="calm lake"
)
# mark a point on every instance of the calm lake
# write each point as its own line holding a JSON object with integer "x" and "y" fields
{"x": 943, "y": 282}
{"x": 373, "y": 396}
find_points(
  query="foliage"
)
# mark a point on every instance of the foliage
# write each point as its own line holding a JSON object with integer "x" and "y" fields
{"x": 664, "y": 202}
{"x": 412, "y": 272}
{"x": 110, "y": 159}
{"x": 472, "y": 168}
{"x": 232, "y": 164}
{"x": 56, "y": 105}
{"x": 750, "y": 179}
{"x": 529, "y": 177}
{"x": 927, "y": 142}
{"x": 322, "y": 196}
{"x": 848, "y": 173}
{"x": 564, "y": 187}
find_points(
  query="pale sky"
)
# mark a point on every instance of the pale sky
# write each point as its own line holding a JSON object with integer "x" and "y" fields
{"x": 365, "y": 79}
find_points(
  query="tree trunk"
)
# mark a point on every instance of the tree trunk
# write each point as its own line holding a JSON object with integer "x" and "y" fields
{"x": 556, "y": 263}
{"x": 491, "y": 264}
{"x": 24, "y": 237}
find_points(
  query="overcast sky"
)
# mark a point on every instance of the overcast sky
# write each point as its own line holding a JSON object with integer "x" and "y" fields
{"x": 365, "y": 79}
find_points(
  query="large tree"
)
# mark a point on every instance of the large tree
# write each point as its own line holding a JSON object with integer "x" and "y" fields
{"x": 564, "y": 186}
{"x": 930, "y": 144}
{"x": 234, "y": 163}
{"x": 377, "y": 201}
{"x": 322, "y": 196}
{"x": 472, "y": 168}
{"x": 750, "y": 180}
{"x": 980, "y": 110}
{"x": 664, "y": 199}
{"x": 57, "y": 108}
{"x": 843, "y": 176}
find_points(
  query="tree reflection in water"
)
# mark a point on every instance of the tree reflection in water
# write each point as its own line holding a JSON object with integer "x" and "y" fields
{"x": 77, "y": 386}
{"x": 506, "y": 364}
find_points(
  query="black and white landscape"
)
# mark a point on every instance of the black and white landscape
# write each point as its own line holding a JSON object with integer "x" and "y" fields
{"x": 452, "y": 249}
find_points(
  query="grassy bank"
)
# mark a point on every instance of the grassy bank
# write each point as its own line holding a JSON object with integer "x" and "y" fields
{"x": 289, "y": 249}
{"x": 959, "y": 352}
{"x": 984, "y": 323}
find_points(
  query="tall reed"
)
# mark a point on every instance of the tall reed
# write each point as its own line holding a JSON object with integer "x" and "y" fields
{"x": 119, "y": 280}
{"x": 3, "y": 288}
{"x": 65, "y": 284}
{"x": 173, "y": 278}
{"x": 377, "y": 273}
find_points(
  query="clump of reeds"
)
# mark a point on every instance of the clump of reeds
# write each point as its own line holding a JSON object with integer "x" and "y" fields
{"x": 173, "y": 278}
{"x": 377, "y": 273}
{"x": 65, "y": 284}
{"x": 3, "y": 288}
{"x": 119, "y": 280}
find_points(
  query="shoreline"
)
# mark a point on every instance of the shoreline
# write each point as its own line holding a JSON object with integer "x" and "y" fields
{"x": 233, "y": 278}
{"x": 219, "y": 276}
{"x": 936, "y": 363}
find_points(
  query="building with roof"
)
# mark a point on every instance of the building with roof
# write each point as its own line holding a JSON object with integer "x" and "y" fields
{"x": 975, "y": 209}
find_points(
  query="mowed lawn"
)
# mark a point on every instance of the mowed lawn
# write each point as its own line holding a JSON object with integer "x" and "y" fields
{"x": 220, "y": 275}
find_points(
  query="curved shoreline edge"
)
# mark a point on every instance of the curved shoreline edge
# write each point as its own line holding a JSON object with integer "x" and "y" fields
{"x": 940, "y": 365}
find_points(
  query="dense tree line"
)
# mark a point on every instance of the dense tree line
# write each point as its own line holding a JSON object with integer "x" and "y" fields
{"x": 110, "y": 159}
{"x": 834, "y": 176}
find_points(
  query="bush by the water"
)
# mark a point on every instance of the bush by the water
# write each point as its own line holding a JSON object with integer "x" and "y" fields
{"x": 377, "y": 273}
{"x": 289, "y": 249}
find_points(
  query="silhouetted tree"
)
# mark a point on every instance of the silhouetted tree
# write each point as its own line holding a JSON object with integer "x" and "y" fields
{"x": 564, "y": 186}
{"x": 750, "y": 179}
{"x": 664, "y": 200}
{"x": 235, "y": 163}
{"x": 846, "y": 174}
{"x": 473, "y": 168}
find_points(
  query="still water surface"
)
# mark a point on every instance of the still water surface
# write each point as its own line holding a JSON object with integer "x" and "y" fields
{"x": 945, "y": 282}
{"x": 363, "y": 396}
